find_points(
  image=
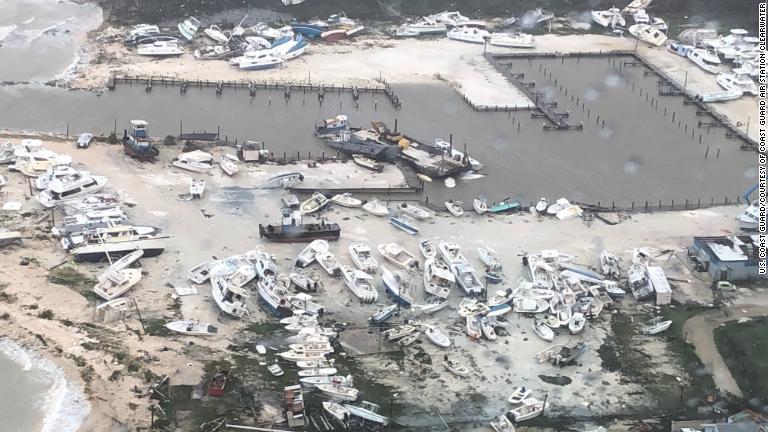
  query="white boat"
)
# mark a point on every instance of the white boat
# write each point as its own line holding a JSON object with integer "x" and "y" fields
{"x": 127, "y": 260}
{"x": 299, "y": 319}
{"x": 473, "y": 326}
{"x": 487, "y": 329}
{"x": 397, "y": 255}
{"x": 307, "y": 256}
{"x": 737, "y": 82}
{"x": 543, "y": 331}
{"x": 454, "y": 207}
{"x": 104, "y": 242}
{"x": 314, "y": 203}
{"x": 275, "y": 370}
{"x": 451, "y": 253}
{"x": 456, "y": 368}
{"x": 469, "y": 34}
{"x": 360, "y": 283}
{"x": 519, "y": 395}
{"x": 404, "y": 223}
{"x": 559, "y": 205}
{"x": 295, "y": 356}
{"x": 59, "y": 190}
{"x": 383, "y": 313}
{"x": 202, "y": 272}
{"x": 329, "y": 262}
{"x": 641, "y": 17}
{"x": 114, "y": 283}
{"x": 396, "y": 333}
{"x": 480, "y": 206}
{"x": 449, "y": 182}
{"x": 467, "y": 279}
{"x": 87, "y": 221}
{"x": 437, "y": 337}
{"x": 314, "y": 364}
{"x": 659, "y": 23}
{"x": 529, "y": 409}
{"x": 720, "y": 96}
{"x": 399, "y": 285}
{"x": 648, "y": 34}
{"x": 415, "y": 211}
{"x": 259, "y": 61}
{"x": 427, "y": 249}
{"x": 195, "y": 161}
{"x": 749, "y": 219}
{"x": 346, "y": 200}
{"x": 541, "y": 205}
{"x": 197, "y": 188}
{"x": 337, "y": 411}
{"x": 433, "y": 304}
{"x": 512, "y": 40}
{"x": 502, "y": 424}
{"x": 317, "y": 372}
{"x": 264, "y": 265}
{"x": 656, "y": 326}
{"x": 410, "y": 339}
{"x": 64, "y": 172}
{"x": 216, "y": 52}
{"x": 489, "y": 257}
{"x": 229, "y": 166}
{"x": 160, "y": 49}
{"x": 188, "y": 28}
{"x": 362, "y": 257}
{"x": 339, "y": 392}
{"x": 705, "y": 59}
{"x": 367, "y": 163}
{"x": 192, "y": 328}
{"x": 423, "y": 26}
{"x": 217, "y": 34}
{"x": 576, "y": 323}
{"x": 336, "y": 380}
{"x": 374, "y": 207}
{"x": 609, "y": 18}
{"x": 231, "y": 300}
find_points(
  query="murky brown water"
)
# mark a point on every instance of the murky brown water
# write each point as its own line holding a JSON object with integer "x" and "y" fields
{"x": 638, "y": 155}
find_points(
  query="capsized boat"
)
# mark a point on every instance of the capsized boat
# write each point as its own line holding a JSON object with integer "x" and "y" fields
{"x": 396, "y": 254}
{"x": 217, "y": 34}
{"x": 308, "y": 254}
{"x": 404, "y": 223}
{"x": 188, "y": 28}
{"x": 192, "y": 328}
{"x": 367, "y": 163}
{"x": 228, "y": 166}
{"x": 368, "y": 411}
{"x": 648, "y": 34}
{"x": 231, "y": 300}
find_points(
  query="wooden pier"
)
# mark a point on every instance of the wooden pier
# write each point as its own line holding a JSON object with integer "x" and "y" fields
{"x": 286, "y": 87}
{"x": 543, "y": 108}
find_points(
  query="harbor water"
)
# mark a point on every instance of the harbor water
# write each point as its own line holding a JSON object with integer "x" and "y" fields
{"x": 36, "y": 396}
{"x": 40, "y": 39}
{"x": 632, "y": 153}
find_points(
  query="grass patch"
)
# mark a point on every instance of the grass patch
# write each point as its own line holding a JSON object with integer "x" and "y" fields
{"x": 156, "y": 327}
{"x": 744, "y": 348}
{"x": 46, "y": 314}
{"x": 4, "y": 296}
{"x": 74, "y": 280}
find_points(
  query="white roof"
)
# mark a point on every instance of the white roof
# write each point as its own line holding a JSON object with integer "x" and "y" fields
{"x": 728, "y": 253}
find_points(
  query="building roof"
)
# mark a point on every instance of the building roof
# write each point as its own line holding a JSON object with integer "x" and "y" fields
{"x": 730, "y": 248}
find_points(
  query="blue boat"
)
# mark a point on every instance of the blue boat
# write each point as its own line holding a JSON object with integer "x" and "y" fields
{"x": 396, "y": 287}
{"x": 505, "y": 206}
{"x": 310, "y": 31}
{"x": 404, "y": 223}
{"x": 332, "y": 126}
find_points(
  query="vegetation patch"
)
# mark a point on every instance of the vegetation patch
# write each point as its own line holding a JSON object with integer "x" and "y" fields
{"x": 744, "y": 347}
{"x": 4, "y": 296}
{"x": 46, "y": 314}
{"x": 74, "y": 280}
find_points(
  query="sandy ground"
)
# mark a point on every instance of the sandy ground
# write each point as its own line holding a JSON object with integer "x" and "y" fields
{"x": 366, "y": 60}
{"x": 225, "y": 223}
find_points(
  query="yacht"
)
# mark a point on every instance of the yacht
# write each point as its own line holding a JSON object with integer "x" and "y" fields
{"x": 438, "y": 279}
{"x": 648, "y": 34}
{"x": 259, "y": 60}
{"x": 704, "y": 59}
{"x": 641, "y": 17}
{"x": 469, "y": 34}
{"x": 114, "y": 242}
{"x": 88, "y": 221}
{"x": 55, "y": 172}
{"x": 750, "y": 217}
{"x": 63, "y": 189}
{"x": 740, "y": 82}
{"x": 424, "y": 26}
{"x": 160, "y": 49}
{"x": 609, "y": 18}
{"x": 195, "y": 161}
{"x": 217, "y": 34}
{"x": 229, "y": 299}
{"x": 512, "y": 40}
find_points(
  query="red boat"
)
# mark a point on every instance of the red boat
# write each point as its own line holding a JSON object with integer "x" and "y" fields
{"x": 334, "y": 35}
{"x": 217, "y": 384}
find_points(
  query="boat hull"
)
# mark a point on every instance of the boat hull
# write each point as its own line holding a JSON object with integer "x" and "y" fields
{"x": 300, "y": 233}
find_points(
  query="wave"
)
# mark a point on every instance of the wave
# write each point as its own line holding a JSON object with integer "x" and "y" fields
{"x": 29, "y": 21}
{"x": 65, "y": 406}
{"x": 5, "y": 31}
